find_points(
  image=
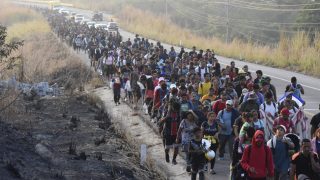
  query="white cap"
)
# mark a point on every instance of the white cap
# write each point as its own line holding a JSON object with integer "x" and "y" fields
{"x": 229, "y": 102}
{"x": 173, "y": 86}
{"x": 161, "y": 79}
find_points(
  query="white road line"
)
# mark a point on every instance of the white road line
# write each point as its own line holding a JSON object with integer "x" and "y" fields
{"x": 286, "y": 80}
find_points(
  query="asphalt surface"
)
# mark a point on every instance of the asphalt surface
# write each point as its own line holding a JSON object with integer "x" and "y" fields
{"x": 280, "y": 77}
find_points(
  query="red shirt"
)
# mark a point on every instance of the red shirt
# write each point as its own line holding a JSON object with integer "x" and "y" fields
{"x": 218, "y": 106}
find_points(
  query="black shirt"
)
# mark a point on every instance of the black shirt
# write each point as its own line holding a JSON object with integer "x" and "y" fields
{"x": 303, "y": 165}
{"x": 315, "y": 121}
{"x": 197, "y": 155}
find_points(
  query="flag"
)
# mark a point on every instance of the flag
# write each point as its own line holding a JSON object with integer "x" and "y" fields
{"x": 299, "y": 121}
{"x": 297, "y": 99}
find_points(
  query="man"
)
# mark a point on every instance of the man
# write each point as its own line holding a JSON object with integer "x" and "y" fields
{"x": 305, "y": 163}
{"x": 296, "y": 88}
{"x": 259, "y": 77}
{"x": 257, "y": 159}
{"x": 202, "y": 70}
{"x": 285, "y": 121}
{"x": 315, "y": 123}
{"x": 280, "y": 146}
{"x": 226, "y": 118}
{"x": 204, "y": 86}
{"x": 269, "y": 111}
{"x": 272, "y": 87}
{"x": 250, "y": 103}
{"x": 256, "y": 90}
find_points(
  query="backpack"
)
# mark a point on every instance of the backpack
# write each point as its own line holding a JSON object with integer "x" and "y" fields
{"x": 242, "y": 174}
{"x": 273, "y": 103}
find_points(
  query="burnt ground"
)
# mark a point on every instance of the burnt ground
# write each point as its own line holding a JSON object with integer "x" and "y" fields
{"x": 66, "y": 138}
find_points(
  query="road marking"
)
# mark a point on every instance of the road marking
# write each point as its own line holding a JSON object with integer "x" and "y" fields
{"x": 311, "y": 109}
{"x": 317, "y": 89}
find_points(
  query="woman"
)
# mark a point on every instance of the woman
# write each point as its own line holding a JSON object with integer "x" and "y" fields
{"x": 315, "y": 142}
{"x": 185, "y": 133}
{"x": 210, "y": 129}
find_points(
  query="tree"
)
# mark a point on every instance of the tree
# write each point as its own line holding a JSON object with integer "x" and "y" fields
{"x": 7, "y": 48}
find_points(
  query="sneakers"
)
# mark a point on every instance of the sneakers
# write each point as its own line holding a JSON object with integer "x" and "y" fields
{"x": 212, "y": 171}
{"x": 167, "y": 158}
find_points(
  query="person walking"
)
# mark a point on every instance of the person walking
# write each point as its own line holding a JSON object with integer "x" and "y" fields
{"x": 305, "y": 163}
{"x": 280, "y": 147}
{"x": 226, "y": 118}
{"x": 257, "y": 159}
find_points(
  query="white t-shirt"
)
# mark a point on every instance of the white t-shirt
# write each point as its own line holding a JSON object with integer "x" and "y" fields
{"x": 272, "y": 108}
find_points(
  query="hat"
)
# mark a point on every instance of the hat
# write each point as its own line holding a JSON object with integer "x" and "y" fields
{"x": 285, "y": 111}
{"x": 252, "y": 96}
{"x": 161, "y": 79}
{"x": 241, "y": 71}
{"x": 229, "y": 102}
{"x": 283, "y": 127}
{"x": 173, "y": 86}
{"x": 245, "y": 91}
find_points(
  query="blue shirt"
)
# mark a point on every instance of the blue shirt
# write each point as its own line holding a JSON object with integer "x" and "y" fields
{"x": 281, "y": 157}
{"x": 225, "y": 118}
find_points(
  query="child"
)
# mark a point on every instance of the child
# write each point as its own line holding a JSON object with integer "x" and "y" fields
{"x": 197, "y": 154}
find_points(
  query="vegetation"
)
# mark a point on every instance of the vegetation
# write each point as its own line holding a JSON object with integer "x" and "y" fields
{"x": 42, "y": 57}
{"x": 296, "y": 53}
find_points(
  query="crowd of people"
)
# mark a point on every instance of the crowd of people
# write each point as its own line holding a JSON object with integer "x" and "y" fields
{"x": 189, "y": 96}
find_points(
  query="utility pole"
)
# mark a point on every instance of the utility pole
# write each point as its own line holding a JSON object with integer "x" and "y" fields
{"x": 227, "y": 35}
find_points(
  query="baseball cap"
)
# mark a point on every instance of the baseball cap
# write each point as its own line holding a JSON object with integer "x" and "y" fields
{"x": 285, "y": 111}
{"x": 229, "y": 102}
{"x": 161, "y": 79}
{"x": 283, "y": 127}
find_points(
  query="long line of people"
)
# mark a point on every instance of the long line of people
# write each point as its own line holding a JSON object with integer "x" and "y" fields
{"x": 191, "y": 97}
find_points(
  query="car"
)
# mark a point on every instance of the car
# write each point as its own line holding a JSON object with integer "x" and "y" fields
{"x": 112, "y": 26}
{"x": 57, "y": 8}
{"x": 97, "y": 16}
{"x": 101, "y": 26}
{"x": 90, "y": 23}
{"x": 65, "y": 12}
{"x": 78, "y": 19}
{"x": 84, "y": 21}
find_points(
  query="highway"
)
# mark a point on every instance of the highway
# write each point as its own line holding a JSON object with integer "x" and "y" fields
{"x": 280, "y": 78}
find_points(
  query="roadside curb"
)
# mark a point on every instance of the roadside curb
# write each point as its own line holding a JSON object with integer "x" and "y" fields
{"x": 138, "y": 132}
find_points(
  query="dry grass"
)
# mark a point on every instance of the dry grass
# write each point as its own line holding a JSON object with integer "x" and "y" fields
{"x": 296, "y": 53}
{"x": 42, "y": 57}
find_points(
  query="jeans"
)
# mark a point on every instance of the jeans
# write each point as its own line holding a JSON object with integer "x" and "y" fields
{"x": 223, "y": 140}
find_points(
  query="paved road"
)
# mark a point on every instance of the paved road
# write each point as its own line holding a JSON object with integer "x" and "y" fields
{"x": 280, "y": 78}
